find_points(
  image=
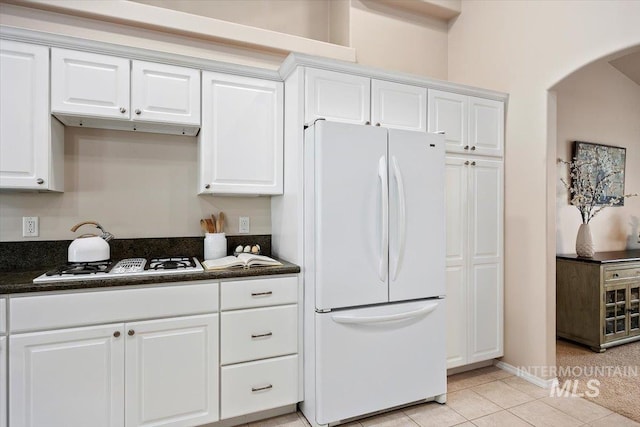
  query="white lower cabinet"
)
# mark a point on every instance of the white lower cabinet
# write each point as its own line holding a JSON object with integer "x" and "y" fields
{"x": 124, "y": 371}
{"x": 71, "y": 377}
{"x": 258, "y": 345}
{"x": 257, "y": 386}
{"x": 3, "y": 382}
{"x": 171, "y": 372}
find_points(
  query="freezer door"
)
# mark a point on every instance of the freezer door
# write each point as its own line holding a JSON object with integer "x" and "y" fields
{"x": 416, "y": 215}
{"x": 346, "y": 207}
{"x": 375, "y": 358}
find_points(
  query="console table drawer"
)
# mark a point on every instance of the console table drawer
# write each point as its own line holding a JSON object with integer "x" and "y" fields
{"x": 628, "y": 272}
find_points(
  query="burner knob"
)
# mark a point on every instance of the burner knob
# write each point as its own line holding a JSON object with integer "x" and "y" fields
{"x": 116, "y": 334}
{"x": 131, "y": 332}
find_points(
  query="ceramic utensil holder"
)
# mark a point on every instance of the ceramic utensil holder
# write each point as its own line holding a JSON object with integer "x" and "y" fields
{"x": 215, "y": 245}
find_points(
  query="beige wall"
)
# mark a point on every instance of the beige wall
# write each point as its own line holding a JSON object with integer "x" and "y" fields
{"x": 399, "y": 40}
{"x": 134, "y": 184}
{"x": 599, "y": 104}
{"x": 524, "y": 48}
{"x": 309, "y": 19}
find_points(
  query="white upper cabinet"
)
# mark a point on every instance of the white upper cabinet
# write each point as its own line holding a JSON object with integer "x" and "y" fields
{"x": 400, "y": 106}
{"x": 471, "y": 125}
{"x": 94, "y": 90}
{"x": 89, "y": 84}
{"x": 165, "y": 93}
{"x": 448, "y": 113}
{"x": 336, "y": 96}
{"x": 486, "y": 126}
{"x": 31, "y": 142}
{"x": 241, "y": 140}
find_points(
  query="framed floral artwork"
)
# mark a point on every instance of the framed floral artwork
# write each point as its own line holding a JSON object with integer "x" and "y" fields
{"x": 608, "y": 168}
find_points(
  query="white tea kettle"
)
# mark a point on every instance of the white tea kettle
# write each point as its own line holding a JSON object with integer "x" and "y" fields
{"x": 90, "y": 247}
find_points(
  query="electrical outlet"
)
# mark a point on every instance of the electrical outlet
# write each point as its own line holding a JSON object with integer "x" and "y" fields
{"x": 30, "y": 226}
{"x": 243, "y": 225}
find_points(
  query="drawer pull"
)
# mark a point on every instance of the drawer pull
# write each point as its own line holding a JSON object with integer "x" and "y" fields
{"x": 267, "y": 387}
{"x": 616, "y": 275}
{"x": 261, "y": 294}
{"x": 268, "y": 334}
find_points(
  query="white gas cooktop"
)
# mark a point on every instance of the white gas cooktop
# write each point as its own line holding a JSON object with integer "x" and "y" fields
{"x": 129, "y": 267}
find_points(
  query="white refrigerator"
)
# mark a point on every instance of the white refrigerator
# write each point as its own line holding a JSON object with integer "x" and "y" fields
{"x": 373, "y": 269}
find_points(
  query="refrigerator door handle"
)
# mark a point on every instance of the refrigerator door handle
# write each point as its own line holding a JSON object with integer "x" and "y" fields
{"x": 383, "y": 265}
{"x": 386, "y": 318}
{"x": 402, "y": 217}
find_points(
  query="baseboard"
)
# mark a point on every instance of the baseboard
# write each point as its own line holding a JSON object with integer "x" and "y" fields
{"x": 471, "y": 367}
{"x": 540, "y": 382}
{"x": 256, "y": 416}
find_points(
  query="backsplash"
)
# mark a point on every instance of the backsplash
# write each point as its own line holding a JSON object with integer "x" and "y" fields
{"x": 18, "y": 256}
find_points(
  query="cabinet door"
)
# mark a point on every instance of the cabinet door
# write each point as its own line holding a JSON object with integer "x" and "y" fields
{"x": 241, "y": 140}
{"x": 456, "y": 260}
{"x": 616, "y": 299}
{"x": 3, "y": 383}
{"x": 89, "y": 84}
{"x": 165, "y": 93}
{"x": 485, "y": 260}
{"x": 336, "y": 96}
{"x": 172, "y": 371}
{"x": 399, "y": 106}
{"x": 486, "y": 126}
{"x": 448, "y": 113}
{"x": 69, "y": 377}
{"x": 24, "y": 115}
{"x": 634, "y": 309}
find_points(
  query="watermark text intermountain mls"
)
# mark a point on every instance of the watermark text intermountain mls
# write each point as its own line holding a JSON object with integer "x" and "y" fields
{"x": 587, "y": 375}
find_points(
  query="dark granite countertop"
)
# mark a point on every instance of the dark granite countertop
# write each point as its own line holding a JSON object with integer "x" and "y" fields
{"x": 605, "y": 257}
{"x": 22, "y": 281}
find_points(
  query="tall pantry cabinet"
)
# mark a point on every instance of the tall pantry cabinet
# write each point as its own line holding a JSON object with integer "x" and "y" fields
{"x": 474, "y": 134}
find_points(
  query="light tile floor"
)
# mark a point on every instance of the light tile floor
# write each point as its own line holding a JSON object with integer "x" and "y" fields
{"x": 485, "y": 397}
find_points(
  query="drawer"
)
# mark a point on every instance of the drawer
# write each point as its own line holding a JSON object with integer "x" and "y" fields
{"x": 258, "y": 333}
{"x": 256, "y": 386}
{"x": 3, "y": 315}
{"x": 68, "y": 309}
{"x": 622, "y": 273}
{"x": 258, "y": 292}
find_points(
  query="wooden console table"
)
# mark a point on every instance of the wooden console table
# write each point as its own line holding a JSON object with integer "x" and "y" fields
{"x": 598, "y": 299}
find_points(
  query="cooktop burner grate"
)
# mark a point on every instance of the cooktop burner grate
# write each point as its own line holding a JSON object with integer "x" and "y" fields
{"x": 74, "y": 268}
{"x": 171, "y": 263}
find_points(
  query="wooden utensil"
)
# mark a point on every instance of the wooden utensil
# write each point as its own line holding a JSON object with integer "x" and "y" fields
{"x": 210, "y": 225}
{"x": 203, "y": 226}
{"x": 215, "y": 222}
{"x": 220, "y": 223}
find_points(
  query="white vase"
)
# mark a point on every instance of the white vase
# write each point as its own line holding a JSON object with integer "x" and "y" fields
{"x": 584, "y": 242}
{"x": 215, "y": 245}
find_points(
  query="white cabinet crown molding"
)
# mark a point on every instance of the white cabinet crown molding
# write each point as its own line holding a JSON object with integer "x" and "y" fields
{"x": 295, "y": 60}
{"x": 129, "y": 52}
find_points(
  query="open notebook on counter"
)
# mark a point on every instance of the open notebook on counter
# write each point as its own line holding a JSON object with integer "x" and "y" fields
{"x": 242, "y": 260}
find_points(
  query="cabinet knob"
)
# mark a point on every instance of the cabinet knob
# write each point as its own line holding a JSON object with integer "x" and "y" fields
{"x": 138, "y": 112}
{"x": 208, "y": 186}
{"x": 473, "y": 163}
{"x": 473, "y": 148}
{"x": 377, "y": 124}
{"x": 616, "y": 275}
{"x": 467, "y": 162}
{"x": 40, "y": 181}
{"x": 116, "y": 334}
{"x": 466, "y": 147}
{"x": 123, "y": 110}
{"x": 367, "y": 122}
{"x": 131, "y": 332}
